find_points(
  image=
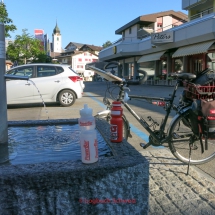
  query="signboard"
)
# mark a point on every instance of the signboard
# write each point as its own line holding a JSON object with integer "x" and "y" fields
{"x": 162, "y": 37}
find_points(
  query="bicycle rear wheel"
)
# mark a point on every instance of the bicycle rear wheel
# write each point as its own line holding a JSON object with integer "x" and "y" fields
{"x": 181, "y": 133}
{"x": 126, "y": 128}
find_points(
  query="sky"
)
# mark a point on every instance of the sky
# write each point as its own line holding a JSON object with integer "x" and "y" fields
{"x": 90, "y": 22}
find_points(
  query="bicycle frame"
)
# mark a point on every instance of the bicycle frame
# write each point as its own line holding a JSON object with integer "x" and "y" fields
{"x": 142, "y": 121}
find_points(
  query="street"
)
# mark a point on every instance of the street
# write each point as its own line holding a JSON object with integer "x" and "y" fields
{"x": 93, "y": 96}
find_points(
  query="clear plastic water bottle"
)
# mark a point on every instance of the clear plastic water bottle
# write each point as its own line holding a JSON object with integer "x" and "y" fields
{"x": 88, "y": 136}
{"x": 86, "y": 121}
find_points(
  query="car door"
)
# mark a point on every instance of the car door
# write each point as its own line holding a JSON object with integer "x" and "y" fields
{"x": 47, "y": 82}
{"x": 20, "y": 91}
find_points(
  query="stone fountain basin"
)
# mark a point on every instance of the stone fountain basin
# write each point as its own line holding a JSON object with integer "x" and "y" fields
{"x": 117, "y": 184}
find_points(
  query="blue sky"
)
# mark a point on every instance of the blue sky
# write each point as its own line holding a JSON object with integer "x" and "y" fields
{"x": 83, "y": 21}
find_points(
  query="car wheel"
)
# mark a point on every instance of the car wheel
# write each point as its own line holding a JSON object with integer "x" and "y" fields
{"x": 67, "y": 98}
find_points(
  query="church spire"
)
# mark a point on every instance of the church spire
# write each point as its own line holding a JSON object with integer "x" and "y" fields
{"x": 56, "y": 29}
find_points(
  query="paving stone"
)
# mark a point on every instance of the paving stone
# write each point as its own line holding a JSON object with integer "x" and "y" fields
{"x": 156, "y": 193}
{"x": 212, "y": 189}
{"x": 161, "y": 183}
{"x": 212, "y": 204}
{"x": 200, "y": 190}
{"x": 183, "y": 189}
{"x": 190, "y": 195}
{"x": 175, "y": 196}
{"x": 208, "y": 196}
{"x": 167, "y": 174}
{"x": 167, "y": 189}
{"x": 207, "y": 183}
{"x": 191, "y": 183}
{"x": 169, "y": 208}
{"x": 153, "y": 186}
{"x": 155, "y": 209}
{"x": 207, "y": 211}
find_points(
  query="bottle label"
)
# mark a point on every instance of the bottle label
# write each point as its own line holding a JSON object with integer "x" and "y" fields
{"x": 87, "y": 150}
{"x": 86, "y": 123}
{"x": 116, "y": 112}
{"x": 96, "y": 148}
{"x": 114, "y": 132}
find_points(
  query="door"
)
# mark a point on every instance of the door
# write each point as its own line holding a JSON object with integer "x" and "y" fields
{"x": 20, "y": 91}
{"x": 47, "y": 82}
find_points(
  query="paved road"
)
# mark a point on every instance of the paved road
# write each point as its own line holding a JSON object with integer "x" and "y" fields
{"x": 171, "y": 191}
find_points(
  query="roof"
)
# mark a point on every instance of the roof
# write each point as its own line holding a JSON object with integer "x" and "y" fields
{"x": 74, "y": 53}
{"x": 56, "y": 29}
{"x": 78, "y": 45}
{"x": 92, "y": 47}
{"x": 151, "y": 18}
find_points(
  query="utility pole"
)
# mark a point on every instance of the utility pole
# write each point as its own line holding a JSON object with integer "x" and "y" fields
{"x": 3, "y": 103}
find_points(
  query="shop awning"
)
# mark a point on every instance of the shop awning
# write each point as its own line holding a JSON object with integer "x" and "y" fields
{"x": 151, "y": 57}
{"x": 193, "y": 49}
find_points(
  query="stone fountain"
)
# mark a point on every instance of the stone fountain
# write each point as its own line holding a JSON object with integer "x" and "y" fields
{"x": 118, "y": 184}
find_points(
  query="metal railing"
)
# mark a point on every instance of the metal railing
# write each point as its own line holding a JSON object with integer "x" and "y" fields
{"x": 201, "y": 14}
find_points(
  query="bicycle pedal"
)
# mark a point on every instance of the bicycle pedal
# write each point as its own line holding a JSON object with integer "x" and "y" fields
{"x": 145, "y": 145}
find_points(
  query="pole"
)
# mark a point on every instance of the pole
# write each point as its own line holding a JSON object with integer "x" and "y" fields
{"x": 3, "y": 102}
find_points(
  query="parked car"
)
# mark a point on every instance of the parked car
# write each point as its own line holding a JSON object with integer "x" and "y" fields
{"x": 52, "y": 82}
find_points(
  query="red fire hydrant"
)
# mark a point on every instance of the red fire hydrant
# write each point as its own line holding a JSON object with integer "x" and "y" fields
{"x": 116, "y": 123}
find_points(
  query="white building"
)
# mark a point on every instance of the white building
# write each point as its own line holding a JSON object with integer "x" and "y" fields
{"x": 56, "y": 40}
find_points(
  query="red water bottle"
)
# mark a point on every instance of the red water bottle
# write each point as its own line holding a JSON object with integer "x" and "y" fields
{"x": 116, "y": 123}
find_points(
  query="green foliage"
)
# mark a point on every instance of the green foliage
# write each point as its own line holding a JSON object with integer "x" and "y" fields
{"x": 25, "y": 48}
{"x": 42, "y": 58}
{"x": 108, "y": 43}
{"x": 4, "y": 19}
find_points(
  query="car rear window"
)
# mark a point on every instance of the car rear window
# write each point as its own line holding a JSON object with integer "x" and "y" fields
{"x": 44, "y": 71}
{"x": 59, "y": 69}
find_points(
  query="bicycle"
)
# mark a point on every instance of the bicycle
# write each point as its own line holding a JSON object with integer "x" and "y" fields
{"x": 181, "y": 140}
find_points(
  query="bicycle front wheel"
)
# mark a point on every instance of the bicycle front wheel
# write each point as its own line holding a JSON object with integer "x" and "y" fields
{"x": 126, "y": 128}
{"x": 181, "y": 134}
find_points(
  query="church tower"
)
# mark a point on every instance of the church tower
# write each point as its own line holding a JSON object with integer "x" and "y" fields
{"x": 56, "y": 39}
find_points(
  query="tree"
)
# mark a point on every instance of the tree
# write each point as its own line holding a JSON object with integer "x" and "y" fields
{"x": 108, "y": 43}
{"x": 42, "y": 58}
{"x": 25, "y": 47}
{"x": 4, "y": 19}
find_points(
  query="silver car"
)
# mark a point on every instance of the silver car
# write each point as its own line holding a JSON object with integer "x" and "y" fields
{"x": 52, "y": 82}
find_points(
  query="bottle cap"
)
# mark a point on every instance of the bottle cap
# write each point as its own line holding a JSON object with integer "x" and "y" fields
{"x": 86, "y": 111}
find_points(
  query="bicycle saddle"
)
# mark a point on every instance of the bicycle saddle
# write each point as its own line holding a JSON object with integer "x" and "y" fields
{"x": 187, "y": 76}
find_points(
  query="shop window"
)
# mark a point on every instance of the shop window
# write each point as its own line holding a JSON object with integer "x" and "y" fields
{"x": 178, "y": 65}
{"x": 164, "y": 68}
{"x": 197, "y": 66}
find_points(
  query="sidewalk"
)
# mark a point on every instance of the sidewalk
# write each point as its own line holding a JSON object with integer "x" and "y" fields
{"x": 173, "y": 192}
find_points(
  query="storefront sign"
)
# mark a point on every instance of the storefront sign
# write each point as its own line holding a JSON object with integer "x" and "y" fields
{"x": 162, "y": 37}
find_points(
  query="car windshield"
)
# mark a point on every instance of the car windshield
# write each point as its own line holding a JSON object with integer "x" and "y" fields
{"x": 73, "y": 70}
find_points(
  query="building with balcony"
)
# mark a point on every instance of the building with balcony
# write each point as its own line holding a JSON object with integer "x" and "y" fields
{"x": 78, "y": 55}
{"x": 187, "y": 46}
